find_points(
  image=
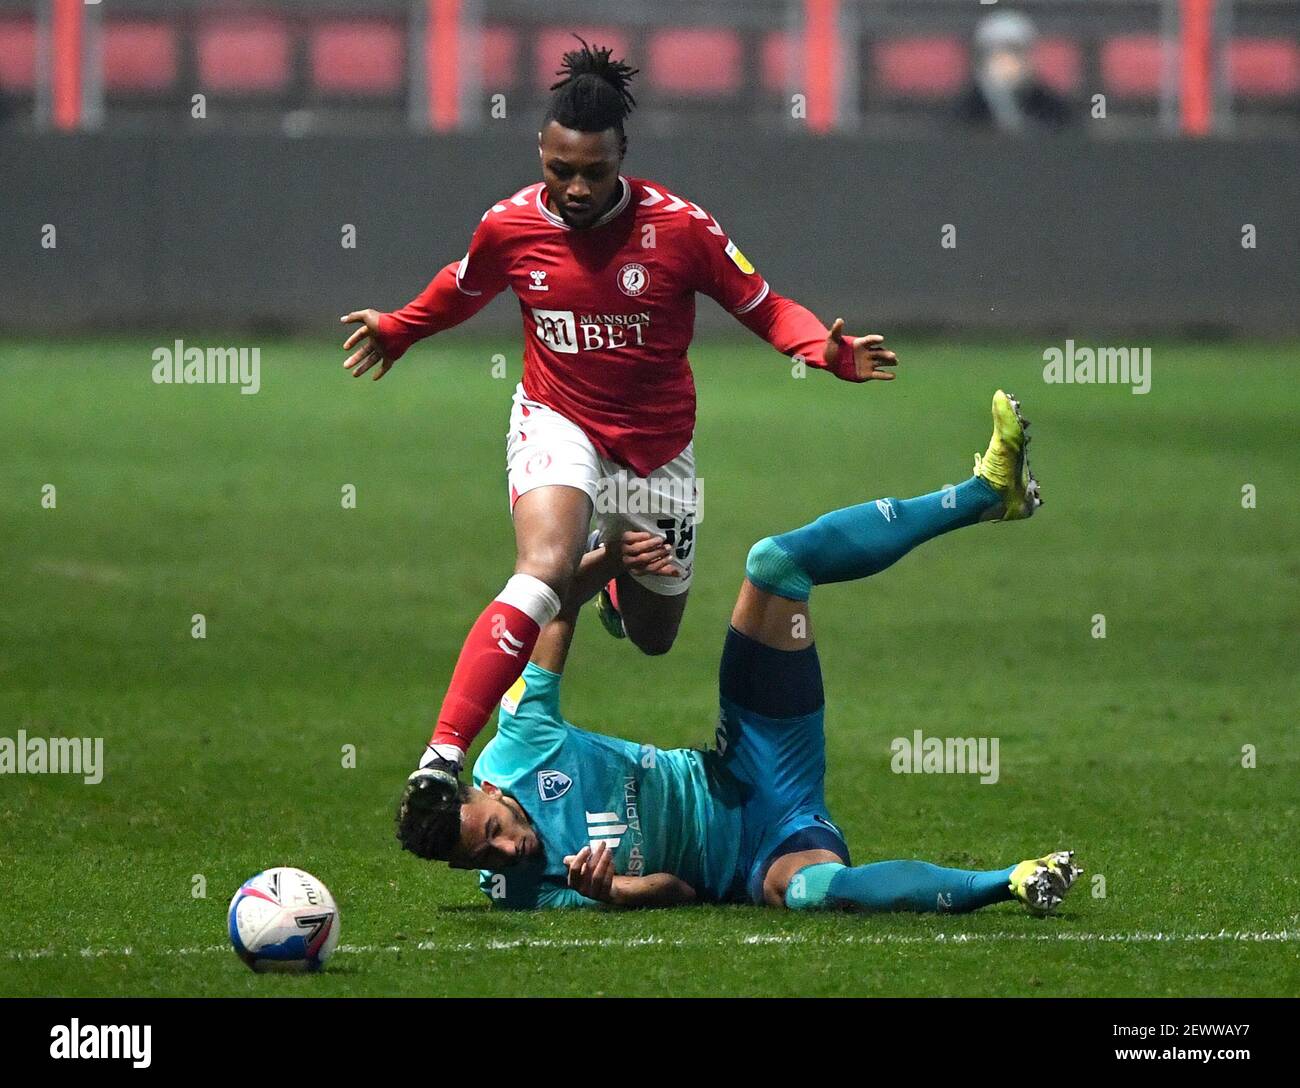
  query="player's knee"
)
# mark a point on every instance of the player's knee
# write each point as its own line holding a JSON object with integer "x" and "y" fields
{"x": 654, "y": 633}
{"x": 652, "y": 643}
{"x": 807, "y": 888}
{"x": 770, "y": 567}
{"x": 551, "y": 563}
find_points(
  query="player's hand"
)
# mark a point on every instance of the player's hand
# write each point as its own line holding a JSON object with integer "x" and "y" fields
{"x": 869, "y": 355}
{"x": 366, "y": 341}
{"x": 643, "y": 553}
{"x": 591, "y": 873}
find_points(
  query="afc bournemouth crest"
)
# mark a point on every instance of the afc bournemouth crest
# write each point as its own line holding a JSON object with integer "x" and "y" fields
{"x": 552, "y": 785}
{"x": 633, "y": 279}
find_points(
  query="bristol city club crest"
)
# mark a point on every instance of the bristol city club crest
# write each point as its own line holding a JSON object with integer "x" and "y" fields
{"x": 633, "y": 278}
{"x": 552, "y": 785}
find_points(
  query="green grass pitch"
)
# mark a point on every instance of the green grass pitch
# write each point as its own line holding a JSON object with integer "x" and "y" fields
{"x": 329, "y": 627}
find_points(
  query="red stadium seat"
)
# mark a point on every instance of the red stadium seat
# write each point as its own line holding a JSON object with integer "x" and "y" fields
{"x": 18, "y": 54}
{"x": 920, "y": 67}
{"x": 1264, "y": 67}
{"x": 140, "y": 55}
{"x": 357, "y": 57}
{"x": 695, "y": 61}
{"x": 1131, "y": 65}
{"x": 551, "y": 46}
{"x": 1059, "y": 64}
{"x": 777, "y": 59}
{"x": 499, "y": 49}
{"x": 244, "y": 54}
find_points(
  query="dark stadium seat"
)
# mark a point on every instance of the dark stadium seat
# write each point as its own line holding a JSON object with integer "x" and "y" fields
{"x": 244, "y": 54}
{"x": 1131, "y": 65}
{"x": 18, "y": 54}
{"x": 919, "y": 67}
{"x": 140, "y": 55}
{"x": 500, "y": 57}
{"x": 551, "y": 45}
{"x": 357, "y": 57}
{"x": 1264, "y": 67}
{"x": 1059, "y": 64}
{"x": 776, "y": 59}
{"x": 698, "y": 61}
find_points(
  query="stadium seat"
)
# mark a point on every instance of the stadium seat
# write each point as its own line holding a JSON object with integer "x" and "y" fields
{"x": 776, "y": 59}
{"x": 18, "y": 54}
{"x": 499, "y": 50}
{"x": 357, "y": 57}
{"x": 551, "y": 45}
{"x": 1059, "y": 64}
{"x": 140, "y": 55}
{"x": 244, "y": 54}
{"x": 695, "y": 61}
{"x": 1264, "y": 67}
{"x": 920, "y": 67}
{"x": 1131, "y": 65}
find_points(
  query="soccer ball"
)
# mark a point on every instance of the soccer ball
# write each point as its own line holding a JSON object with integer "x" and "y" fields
{"x": 283, "y": 920}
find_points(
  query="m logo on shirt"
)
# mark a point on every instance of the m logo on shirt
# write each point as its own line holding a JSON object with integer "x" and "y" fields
{"x": 557, "y": 330}
{"x": 604, "y": 827}
{"x": 552, "y": 785}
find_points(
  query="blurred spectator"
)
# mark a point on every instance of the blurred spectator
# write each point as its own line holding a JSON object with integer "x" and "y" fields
{"x": 1004, "y": 93}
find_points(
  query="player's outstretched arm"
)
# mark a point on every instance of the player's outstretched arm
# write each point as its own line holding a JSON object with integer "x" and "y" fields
{"x": 383, "y": 338}
{"x": 793, "y": 330}
{"x": 455, "y": 294}
{"x": 726, "y": 275}
{"x": 591, "y": 874}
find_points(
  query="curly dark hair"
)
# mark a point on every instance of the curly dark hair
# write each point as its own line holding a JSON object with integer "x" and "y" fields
{"x": 429, "y": 827}
{"x": 592, "y": 95}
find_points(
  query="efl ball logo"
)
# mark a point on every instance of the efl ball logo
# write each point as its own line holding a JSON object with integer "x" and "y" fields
{"x": 633, "y": 279}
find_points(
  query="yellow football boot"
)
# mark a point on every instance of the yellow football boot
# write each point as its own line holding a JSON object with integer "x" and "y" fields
{"x": 1005, "y": 464}
{"x": 1041, "y": 883}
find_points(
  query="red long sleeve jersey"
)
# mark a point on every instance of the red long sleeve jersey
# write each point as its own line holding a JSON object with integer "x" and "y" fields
{"x": 609, "y": 311}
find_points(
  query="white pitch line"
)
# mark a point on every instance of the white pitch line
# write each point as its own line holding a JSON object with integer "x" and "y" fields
{"x": 752, "y": 939}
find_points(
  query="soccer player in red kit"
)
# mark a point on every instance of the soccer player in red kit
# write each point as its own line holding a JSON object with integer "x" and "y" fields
{"x": 606, "y": 269}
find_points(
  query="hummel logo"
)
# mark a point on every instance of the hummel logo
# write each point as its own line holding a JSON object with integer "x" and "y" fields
{"x": 604, "y": 827}
{"x": 537, "y": 284}
{"x": 943, "y": 904}
{"x": 509, "y": 644}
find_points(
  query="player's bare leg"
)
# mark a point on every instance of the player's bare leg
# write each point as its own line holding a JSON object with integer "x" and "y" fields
{"x": 777, "y": 882}
{"x": 775, "y": 621}
{"x": 640, "y": 552}
{"x": 650, "y": 619}
{"x": 551, "y": 534}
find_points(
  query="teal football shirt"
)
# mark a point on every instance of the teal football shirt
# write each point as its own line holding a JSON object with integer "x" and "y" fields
{"x": 659, "y": 811}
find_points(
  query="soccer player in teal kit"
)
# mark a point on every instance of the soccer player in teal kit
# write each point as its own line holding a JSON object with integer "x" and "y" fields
{"x": 561, "y": 817}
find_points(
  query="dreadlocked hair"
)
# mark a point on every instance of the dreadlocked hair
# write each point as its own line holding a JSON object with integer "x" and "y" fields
{"x": 593, "y": 94}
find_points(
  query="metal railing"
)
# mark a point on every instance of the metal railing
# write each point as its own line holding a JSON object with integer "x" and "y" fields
{"x": 445, "y": 83}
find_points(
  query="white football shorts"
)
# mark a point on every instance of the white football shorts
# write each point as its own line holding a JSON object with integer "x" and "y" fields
{"x": 545, "y": 448}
